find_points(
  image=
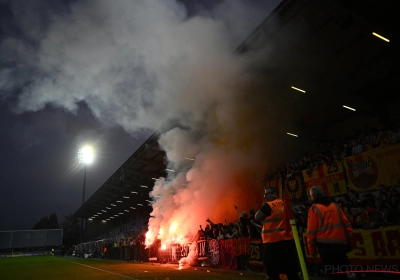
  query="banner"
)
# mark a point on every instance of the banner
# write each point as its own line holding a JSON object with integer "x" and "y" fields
{"x": 242, "y": 246}
{"x": 202, "y": 250}
{"x": 277, "y": 183}
{"x": 256, "y": 252}
{"x": 374, "y": 167}
{"x": 227, "y": 253}
{"x": 296, "y": 187}
{"x": 374, "y": 246}
{"x": 213, "y": 256}
{"x": 329, "y": 177}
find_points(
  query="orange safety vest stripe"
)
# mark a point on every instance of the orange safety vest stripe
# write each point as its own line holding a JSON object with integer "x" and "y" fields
{"x": 273, "y": 229}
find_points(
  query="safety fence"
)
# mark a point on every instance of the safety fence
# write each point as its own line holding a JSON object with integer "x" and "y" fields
{"x": 26, "y": 239}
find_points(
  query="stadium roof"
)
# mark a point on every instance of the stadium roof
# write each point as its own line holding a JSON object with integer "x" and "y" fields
{"x": 328, "y": 49}
{"x": 323, "y": 47}
{"x": 128, "y": 188}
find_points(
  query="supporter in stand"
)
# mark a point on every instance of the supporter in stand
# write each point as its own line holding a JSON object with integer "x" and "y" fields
{"x": 364, "y": 220}
{"x": 235, "y": 232}
{"x": 346, "y": 151}
{"x": 354, "y": 197}
{"x": 357, "y": 147}
{"x": 243, "y": 221}
{"x": 221, "y": 232}
{"x": 354, "y": 217}
{"x": 254, "y": 231}
{"x": 395, "y": 135}
{"x": 208, "y": 232}
{"x": 369, "y": 143}
{"x": 393, "y": 203}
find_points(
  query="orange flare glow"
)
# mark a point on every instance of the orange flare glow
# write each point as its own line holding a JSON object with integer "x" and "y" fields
{"x": 173, "y": 227}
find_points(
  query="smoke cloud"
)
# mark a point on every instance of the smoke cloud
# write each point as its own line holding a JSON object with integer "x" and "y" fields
{"x": 137, "y": 64}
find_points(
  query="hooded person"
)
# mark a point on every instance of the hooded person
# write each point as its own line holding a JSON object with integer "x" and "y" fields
{"x": 329, "y": 233}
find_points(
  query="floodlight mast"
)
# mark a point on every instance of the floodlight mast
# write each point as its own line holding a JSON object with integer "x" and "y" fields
{"x": 85, "y": 156}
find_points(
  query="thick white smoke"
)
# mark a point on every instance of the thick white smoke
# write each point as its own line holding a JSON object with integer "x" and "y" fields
{"x": 139, "y": 63}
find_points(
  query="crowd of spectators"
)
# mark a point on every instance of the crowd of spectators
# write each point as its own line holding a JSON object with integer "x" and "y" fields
{"x": 371, "y": 209}
{"x": 331, "y": 152}
{"x": 366, "y": 210}
{"x": 245, "y": 226}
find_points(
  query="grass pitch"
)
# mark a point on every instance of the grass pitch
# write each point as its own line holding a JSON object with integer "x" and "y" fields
{"x": 67, "y": 268}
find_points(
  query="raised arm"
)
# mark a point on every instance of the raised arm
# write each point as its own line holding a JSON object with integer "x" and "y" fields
{"x": 237, "y": 210}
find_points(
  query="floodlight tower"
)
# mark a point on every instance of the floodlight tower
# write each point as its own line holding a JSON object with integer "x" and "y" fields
{"x": 85, "y": 156}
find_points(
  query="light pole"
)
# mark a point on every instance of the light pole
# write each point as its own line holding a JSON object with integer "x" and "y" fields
{"x": 85, "y": 156}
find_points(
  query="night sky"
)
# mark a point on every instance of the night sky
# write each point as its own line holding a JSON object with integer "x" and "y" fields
{"x": 94, "y": 72}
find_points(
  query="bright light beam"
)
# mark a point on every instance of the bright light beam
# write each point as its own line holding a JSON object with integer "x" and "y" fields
{"x": 291, "y": 134}
{"x": 380, "y": 37}
{"x": 298, "y": 89}
{"x": 347, "y": 107}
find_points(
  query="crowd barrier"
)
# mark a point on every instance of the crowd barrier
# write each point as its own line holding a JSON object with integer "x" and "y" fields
{"x": 371, "y": 247}
{"x": 375, "y": 246}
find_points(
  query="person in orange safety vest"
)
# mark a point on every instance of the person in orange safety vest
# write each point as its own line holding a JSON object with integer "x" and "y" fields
{"x": 329, "y": 233}
{"x": 280, "y": 255}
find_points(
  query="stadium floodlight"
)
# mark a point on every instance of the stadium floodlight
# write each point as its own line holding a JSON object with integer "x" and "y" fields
{"x": 291, "y": 134}
{"x": 140, "y": 204}
{"x": 108, "y": 208}
{"x": 189, "y": 158}
{"x": 126, "y": 211}
{"x": 85, "y": 157}
{"x": 113, "y": 204}
{"x": 119, "y": 201}
{"x": 170, "y": 170}
{"x": 298, "y": 89}
{"x": 347, "y": 107}
{"x": 145, "y": 186}
{"x": 125, "y": 196}
{"x": 380, "y": 37}
{"x": 132, "y": 207}
{"x": 134, "y": 192}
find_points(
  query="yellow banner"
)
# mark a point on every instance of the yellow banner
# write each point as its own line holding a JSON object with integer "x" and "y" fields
{"x": 371, "y": 168}
{"x": 330, "y": 178}
{"x": 374, "y": 246}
